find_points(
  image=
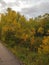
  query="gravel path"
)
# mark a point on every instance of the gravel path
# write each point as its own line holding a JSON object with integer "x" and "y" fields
{"x": 6, "y": 57}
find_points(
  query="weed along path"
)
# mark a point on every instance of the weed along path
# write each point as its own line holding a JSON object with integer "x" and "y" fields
{"x": 6, "y": 57}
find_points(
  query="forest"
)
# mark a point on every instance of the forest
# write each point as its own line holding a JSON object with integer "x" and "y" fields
{"x": 28, "y": 39}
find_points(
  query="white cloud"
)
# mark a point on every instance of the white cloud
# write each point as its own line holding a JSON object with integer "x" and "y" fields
{"x": 38, "y": 9}
{"x": 8, "y": 1}
{"x": 16, "y": 8}
{"x": 29, "y": 8}
{"x": 0, "y": 4}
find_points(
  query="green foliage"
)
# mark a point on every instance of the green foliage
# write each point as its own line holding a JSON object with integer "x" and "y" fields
{"x": 32, "y": 36}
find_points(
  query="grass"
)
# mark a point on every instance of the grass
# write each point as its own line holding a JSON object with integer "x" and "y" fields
{"x": 29, "y": 57}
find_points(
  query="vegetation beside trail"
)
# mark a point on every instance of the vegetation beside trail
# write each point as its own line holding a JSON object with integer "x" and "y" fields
{"x": 27, "y": 39}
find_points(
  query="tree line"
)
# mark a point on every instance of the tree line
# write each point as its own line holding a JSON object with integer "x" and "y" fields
{"x": 15, "y": 30}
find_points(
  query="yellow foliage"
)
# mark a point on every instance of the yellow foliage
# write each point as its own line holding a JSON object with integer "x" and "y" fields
{"x": 32, "y": 40}
{"x": 41, "y": 30}
{"x": 33, "y": 31}
{"x": 47, "y": 32}
{"x": 45, "y": 44}
{"x": 25, "y": 36}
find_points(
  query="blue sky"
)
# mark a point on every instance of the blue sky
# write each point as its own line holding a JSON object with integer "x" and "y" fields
{"x": 29, "y": 8}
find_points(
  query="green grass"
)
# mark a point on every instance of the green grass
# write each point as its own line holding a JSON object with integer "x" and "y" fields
{"x": 29, "y": 57}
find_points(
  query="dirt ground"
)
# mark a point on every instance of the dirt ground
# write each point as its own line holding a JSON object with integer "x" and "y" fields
{"x": 6, "y": 57}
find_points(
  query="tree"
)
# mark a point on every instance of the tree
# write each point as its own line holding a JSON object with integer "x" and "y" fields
{"x": 45, "y": 45}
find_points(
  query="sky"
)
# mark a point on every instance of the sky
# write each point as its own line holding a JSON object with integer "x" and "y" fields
{"x": 29, "y": 8}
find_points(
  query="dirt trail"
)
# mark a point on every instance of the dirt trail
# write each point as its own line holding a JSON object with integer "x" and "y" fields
{"x": 6, "y": 57}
